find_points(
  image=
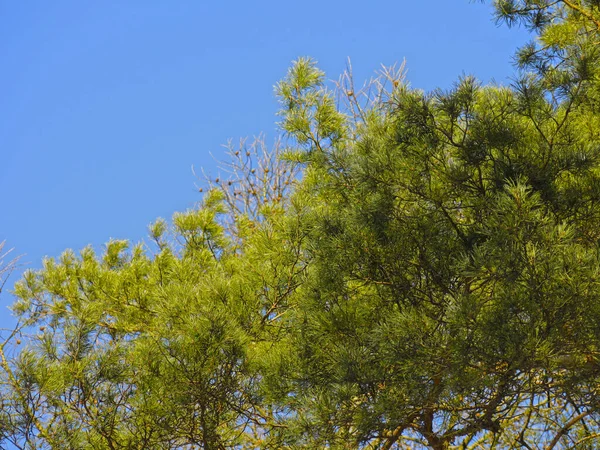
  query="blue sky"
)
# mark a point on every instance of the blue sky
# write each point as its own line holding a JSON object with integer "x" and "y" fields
{"x": 106, "y": 105}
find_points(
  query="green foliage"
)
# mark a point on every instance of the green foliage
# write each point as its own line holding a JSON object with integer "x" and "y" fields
{"x": 432, "y": 280}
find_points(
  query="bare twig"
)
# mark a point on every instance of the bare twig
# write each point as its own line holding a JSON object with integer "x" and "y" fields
{"x": 252, "y": 176}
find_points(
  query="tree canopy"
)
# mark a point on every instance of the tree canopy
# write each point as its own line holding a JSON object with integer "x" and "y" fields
{"x": 406, "y": 269}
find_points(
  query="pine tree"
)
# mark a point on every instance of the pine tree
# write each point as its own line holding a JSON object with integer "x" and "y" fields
{"x": 453, "y": 285}
{"x": 415, "y": 269}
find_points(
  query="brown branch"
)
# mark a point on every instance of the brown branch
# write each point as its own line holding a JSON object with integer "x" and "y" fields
{"x": 393, "y": 436}
{"x": 582, "y": 11}
{"x": 583, "y": 439}
{"x": 565, "y": 429}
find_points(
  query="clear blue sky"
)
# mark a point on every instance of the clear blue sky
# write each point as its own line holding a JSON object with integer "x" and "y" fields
{"x": 105, "y": 106}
